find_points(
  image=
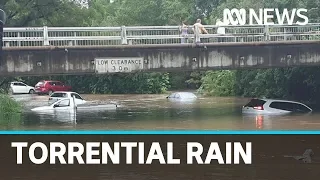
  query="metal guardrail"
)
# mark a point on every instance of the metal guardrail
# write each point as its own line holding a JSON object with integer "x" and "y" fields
{"x": 104, "y": 36}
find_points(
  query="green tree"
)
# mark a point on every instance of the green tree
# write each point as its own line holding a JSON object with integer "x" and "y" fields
{"x": 218, "y": 83}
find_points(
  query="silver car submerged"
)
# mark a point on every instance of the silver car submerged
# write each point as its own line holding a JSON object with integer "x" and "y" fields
{"x": 272, "y": 106}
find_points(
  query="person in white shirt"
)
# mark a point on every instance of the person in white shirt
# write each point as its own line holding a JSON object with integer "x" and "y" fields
{"x": 220, "y": 30}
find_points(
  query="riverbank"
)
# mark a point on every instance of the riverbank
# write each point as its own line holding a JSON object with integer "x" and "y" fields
{"x": 9, "y": 105}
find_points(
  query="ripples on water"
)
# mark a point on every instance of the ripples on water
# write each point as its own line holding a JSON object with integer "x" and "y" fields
{"x": 156, "y": 112}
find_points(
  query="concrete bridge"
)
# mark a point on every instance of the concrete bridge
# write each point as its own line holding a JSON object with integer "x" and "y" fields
{"x": 88, "y": 50}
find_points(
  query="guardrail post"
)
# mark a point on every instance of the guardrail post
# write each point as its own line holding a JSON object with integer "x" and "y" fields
{"x": 45, "y": 36}
{"x": 75, "y": 41}
{"x": 266, "y": 33}
{"x": 130, "y": 40}
{"x": 124, "y": 35}
{"x": 19, "y": 42}
{"x": 285, "y": 33}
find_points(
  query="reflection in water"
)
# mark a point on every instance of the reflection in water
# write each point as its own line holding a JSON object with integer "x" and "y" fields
{"x": 68, "y": 117}
{"x": 10, "y": 121}
{"x": 157, "y": 112}
{"x": 259, "y": 122}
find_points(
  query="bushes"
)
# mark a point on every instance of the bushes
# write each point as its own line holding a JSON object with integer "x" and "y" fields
{"x": 293, "y": 83}
{"x": 218, "y": 83}
{"x": 10, "y": 112}
{"x": 121, "y": 83}
{"x": 8, "y": 105}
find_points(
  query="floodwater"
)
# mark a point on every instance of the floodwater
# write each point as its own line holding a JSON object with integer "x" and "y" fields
{"x": 155, "y": 112}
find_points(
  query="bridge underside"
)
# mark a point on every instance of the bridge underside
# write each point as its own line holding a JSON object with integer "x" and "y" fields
{"x": 159, "y": 58}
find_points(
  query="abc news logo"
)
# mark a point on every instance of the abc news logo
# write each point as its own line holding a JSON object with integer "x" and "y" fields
{"x": 239, "y": 16}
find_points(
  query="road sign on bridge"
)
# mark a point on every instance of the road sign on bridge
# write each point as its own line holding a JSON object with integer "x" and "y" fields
{"x": 117, "y": 64}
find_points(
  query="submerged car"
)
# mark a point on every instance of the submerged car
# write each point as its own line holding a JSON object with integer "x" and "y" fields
{"x": 182, "y": 95}
{"x": 58, "y": 95}
{"x": 63, "y": 104}
{"x": 68, "y": 104}
{"x": 272, "y": 106}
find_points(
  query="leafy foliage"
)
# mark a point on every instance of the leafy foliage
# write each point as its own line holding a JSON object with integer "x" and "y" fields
{"x": 218, "y": 83}
{"x": 195, "y": 79}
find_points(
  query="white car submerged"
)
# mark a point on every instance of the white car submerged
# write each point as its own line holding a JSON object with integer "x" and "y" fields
{"x": 272, "y": 106}
{"x": 68, "y": 104}
{"x": 182, "y": 96}
{"x": 60, "y": 105}
{"x": 58, "y": 95}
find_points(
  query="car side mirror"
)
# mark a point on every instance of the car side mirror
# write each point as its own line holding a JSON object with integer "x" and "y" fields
{"x": 56, "y": 105}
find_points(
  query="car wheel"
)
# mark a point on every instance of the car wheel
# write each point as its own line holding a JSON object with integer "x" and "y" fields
{"x": 50, "y": 92}
{"x": 31, "y": 91}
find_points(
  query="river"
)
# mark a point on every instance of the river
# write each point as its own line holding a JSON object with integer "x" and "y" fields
{"x": 155, "y": 112}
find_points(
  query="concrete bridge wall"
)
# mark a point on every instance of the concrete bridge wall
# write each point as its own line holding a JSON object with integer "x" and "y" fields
{"x": 87, "y": 60}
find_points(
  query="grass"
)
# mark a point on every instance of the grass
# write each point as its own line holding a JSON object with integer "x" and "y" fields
{"x": 10, "y": 112}
{"x": 9, "y": 105}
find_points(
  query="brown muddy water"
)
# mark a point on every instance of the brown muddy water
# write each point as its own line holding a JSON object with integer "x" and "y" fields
{"x": 150, "y": 112}
{"x": 155, "y": 112}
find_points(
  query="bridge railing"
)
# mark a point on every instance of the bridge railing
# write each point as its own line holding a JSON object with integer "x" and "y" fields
{"x": 104, "y": 36}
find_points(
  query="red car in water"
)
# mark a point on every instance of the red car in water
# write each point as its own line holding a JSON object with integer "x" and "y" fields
{"x": 48, "y": 87}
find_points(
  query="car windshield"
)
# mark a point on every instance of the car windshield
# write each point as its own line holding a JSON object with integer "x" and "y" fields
{"x": 255, "y": 103}
{"x": 40, "y": 83}
{"x": 59, "y": 95}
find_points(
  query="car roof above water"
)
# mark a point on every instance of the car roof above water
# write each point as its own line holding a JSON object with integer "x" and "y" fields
{"x": 184, "y": 94}
{"x": 68, "y": 92}
{"x": 16, "y": 82}
{"x": 279, "y": 100}
{"x": 49, "y": 81}
{"x": 62, "y": 92}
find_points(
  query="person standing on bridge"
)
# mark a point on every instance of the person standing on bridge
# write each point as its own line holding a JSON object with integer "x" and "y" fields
{"x": 221, "y": 31}
{"x": 198, "y": 29}
{"x": 184, "y": 32}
